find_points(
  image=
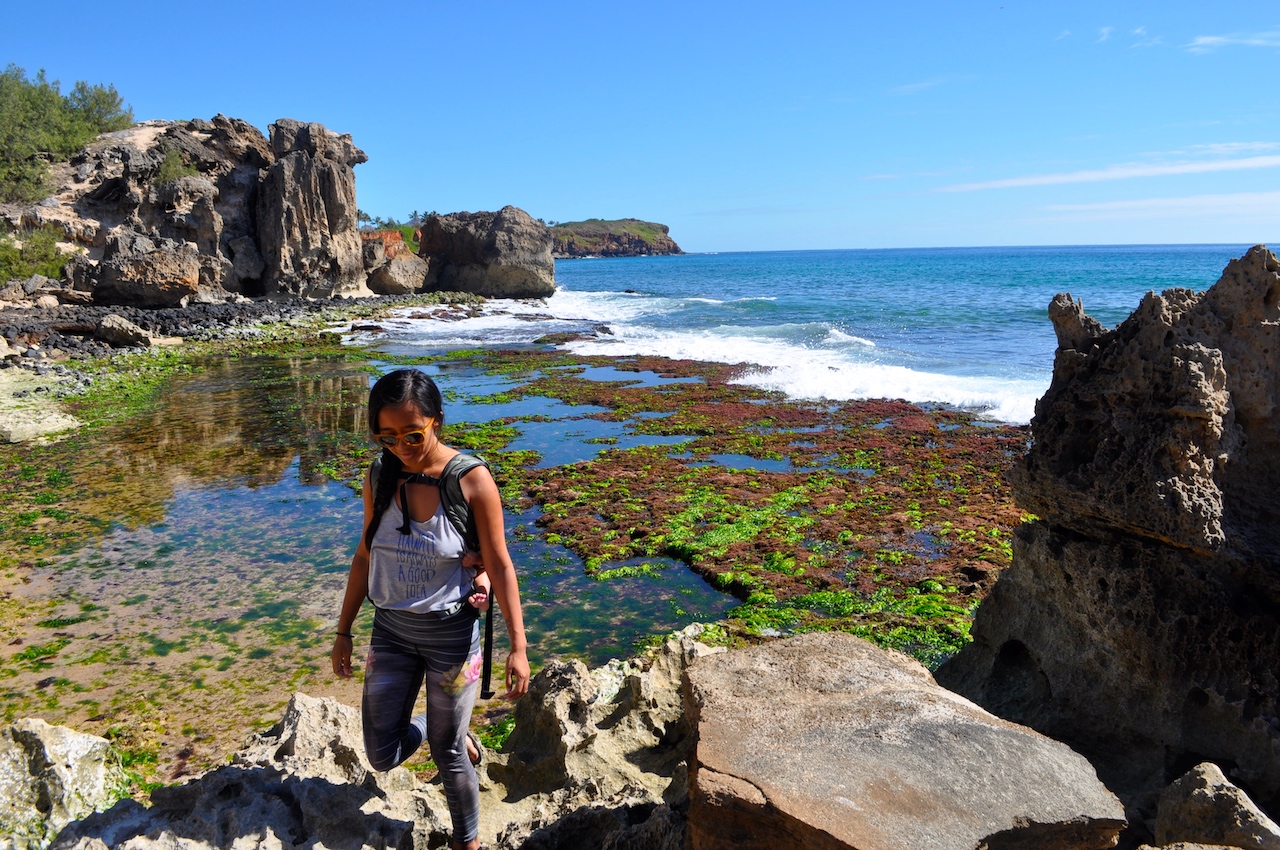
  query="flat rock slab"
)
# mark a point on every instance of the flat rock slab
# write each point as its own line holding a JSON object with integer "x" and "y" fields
{"x": 826, "y": 741}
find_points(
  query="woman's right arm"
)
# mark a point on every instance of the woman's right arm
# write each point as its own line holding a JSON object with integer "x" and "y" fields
{"x": 357, "y": 590}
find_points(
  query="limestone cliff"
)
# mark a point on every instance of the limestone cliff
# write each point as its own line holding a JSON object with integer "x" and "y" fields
{"x": 1140, "y": 620}
{"x": 626, "y": 237}
{"x": 167, "y": 213}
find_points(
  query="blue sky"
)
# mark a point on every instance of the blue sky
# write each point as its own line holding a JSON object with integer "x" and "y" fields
{"x": 742, "y": 125}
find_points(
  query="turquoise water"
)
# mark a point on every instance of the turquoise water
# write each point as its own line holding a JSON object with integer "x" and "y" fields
{"x": 962, "y": 326}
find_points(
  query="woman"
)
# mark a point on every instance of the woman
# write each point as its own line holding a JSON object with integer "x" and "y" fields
{"x": 413, "y": 572}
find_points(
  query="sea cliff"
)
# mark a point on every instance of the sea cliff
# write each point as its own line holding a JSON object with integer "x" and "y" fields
{"x": 626, "y": 237}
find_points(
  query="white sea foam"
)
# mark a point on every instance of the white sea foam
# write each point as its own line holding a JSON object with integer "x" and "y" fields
{"x": 840, "y": 337}
{"x": 808, "y": 361}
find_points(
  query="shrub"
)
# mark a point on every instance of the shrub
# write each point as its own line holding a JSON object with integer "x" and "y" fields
{"x": 174, "y": 166}
{"x": 38, "y": 254}
{"x": 37, "y": 124}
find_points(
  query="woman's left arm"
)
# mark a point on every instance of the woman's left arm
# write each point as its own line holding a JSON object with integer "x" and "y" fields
{"x": 482, "y": 494}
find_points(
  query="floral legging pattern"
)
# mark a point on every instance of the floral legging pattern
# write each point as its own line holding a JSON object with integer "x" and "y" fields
{"x": 406, "y": 651}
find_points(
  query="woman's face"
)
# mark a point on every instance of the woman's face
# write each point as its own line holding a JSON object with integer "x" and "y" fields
{"x": 407, "y": 420}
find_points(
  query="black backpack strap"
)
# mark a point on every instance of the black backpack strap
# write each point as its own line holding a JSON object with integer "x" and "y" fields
{"x": 459, "y": 513}
{"x": 455, "y": 503}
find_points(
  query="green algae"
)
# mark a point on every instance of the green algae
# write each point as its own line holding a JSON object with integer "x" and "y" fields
{"x": 885, "y": 526}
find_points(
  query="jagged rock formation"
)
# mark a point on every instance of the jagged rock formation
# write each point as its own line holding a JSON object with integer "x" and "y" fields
{"x": 823, "y": 740}
{"x": 506, "y": 254}
{"x": 308, "y": 234}
{"x": 170, "y": 213}
{"x": 626, "y": 237}
{"x": 593, "y": 757}
{"x": 1140, "y": 620}
{"x": 49, "y": 777}
{"x": 1205, "y": 808}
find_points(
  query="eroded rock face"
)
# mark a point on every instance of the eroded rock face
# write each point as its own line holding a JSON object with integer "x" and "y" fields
{"x": 506, "y": 254}
{"x": 1140, "y": 620}
{"x": 595, "y": 758}
{"x": 823, "y": 740}
{"x": 307, "y": 230}
{"x": 221, "y": 212}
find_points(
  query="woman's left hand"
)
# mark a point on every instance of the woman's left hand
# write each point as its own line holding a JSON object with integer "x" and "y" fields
{"x": 517, "y": 674}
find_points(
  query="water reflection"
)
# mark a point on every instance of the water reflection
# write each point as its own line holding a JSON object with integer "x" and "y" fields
{"x": 228, "y": 501}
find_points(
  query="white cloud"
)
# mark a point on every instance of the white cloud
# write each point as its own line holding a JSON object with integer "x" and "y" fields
{"x": 1140, "y": 31}
{"x": 1123, "y": 171}
{"x": 1104, "y": 33}
{"x": 1253, "y": 204}
{"x": 1229, "y": 148}
{"x": 912, "y": 88}
{"x": 1209, "y": 43}
{"x": 1063, "y": 35}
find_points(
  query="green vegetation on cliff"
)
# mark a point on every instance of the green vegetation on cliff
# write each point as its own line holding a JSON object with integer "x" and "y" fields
{"x": 625, "y": 237}
{"x": 39, "y": 124}
{"x": 31, "y": 251}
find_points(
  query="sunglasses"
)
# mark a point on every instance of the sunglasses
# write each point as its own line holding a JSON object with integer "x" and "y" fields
{"x": 412, "y": 438}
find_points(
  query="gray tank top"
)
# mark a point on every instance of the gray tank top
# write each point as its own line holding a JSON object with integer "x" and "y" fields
{"x": 421, "y": 571}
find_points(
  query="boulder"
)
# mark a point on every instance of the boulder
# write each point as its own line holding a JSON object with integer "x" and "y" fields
{"x": 121, "y": 333}
{"x": 306, "y": 209}
{"x": 51, "y": 776}
{"x": 1140, "y": 619}
{"x": 403, "y": 274}
{"x": 824, "y": 740}
{"x": 506, "y": 254}
{"x": 1202, "y": 806}
{"x": 142, "y": 272}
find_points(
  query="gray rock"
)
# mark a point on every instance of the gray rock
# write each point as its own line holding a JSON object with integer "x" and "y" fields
{"x": 246, "y": 261}
{"x": 136, "y": 271}
{"x": 306, "y": 209}
{"x": 305, "y": 782}
{"x": 1140, "y": 619}
{"x": 401, "y": 275}
{"x": 51, "y": 776}
{"x": 120, "y": 332}
{"x": 375, "y": 254}
{"x": 1202, "y": 806}
{"x": 35, "y": 283}
{"x": 823, "y": 740}
{"x": 506, "y": 254}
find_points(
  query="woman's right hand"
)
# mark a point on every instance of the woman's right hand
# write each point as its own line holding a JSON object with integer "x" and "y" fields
{"x": 341, "y": 656}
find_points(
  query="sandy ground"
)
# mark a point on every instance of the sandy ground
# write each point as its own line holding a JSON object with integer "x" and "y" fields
{"x": 28, "y": 410}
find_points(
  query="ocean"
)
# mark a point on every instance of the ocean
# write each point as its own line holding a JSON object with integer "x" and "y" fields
{"x": 966, "y": 327}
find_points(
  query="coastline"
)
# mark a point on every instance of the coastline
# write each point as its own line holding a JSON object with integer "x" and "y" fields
{"x": 877, "y": 517}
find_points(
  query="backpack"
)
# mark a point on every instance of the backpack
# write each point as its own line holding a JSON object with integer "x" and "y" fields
{"x": 459, "y": 514}
{"x": 455, "y": 504}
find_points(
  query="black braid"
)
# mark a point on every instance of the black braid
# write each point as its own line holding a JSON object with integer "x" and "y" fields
{"x": 388, "y": 477}
{"x": 403, "y": 386}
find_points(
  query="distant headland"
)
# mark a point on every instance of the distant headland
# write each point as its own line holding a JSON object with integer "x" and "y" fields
{"x": 623, "y": 237}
